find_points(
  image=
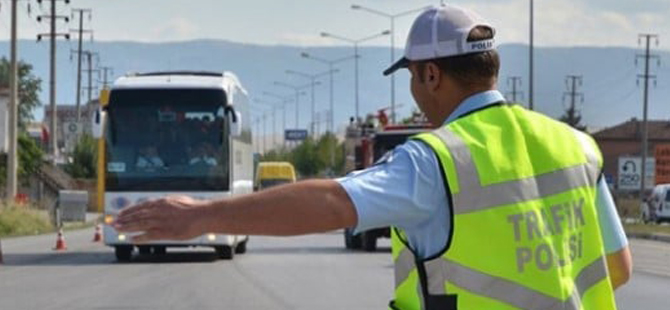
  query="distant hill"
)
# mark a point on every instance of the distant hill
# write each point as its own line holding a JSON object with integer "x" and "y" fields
{"x": 611, "y": 93}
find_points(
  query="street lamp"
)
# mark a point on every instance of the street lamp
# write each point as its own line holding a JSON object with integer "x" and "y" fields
{"x": 392, "y": 17}
{"x": 330, "y": 63}
{"x": 313, "y": 78}
{"x": 274, "y": 118}
{"x": 298, "y": 92}
{"x": 284, "y": 100}
{"x": 261, "y": 118}
{"x": 356, "y": 42}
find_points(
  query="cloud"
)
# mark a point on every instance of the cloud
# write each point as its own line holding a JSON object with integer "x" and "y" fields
{"x": 175, "y": 30}
{"x": 572, "y": 22}
{"x": 629, "y": 6}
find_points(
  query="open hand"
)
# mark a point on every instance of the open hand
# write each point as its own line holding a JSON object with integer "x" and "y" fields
{"x": 171, "y": 218}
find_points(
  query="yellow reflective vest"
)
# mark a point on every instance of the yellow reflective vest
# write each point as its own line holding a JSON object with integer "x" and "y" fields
{"x": 524, "y": 228}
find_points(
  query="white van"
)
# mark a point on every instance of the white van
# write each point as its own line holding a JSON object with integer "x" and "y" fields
{"x": 657, "y": 207}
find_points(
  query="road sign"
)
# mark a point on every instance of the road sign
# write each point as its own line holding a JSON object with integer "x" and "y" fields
{"x": 630, "y": 173}
{"x": 71, "y": 133}
{"x": 662, "y": 163}
{"x": 295, "y": 134}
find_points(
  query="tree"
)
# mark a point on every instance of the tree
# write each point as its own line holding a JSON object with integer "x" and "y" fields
{"x": 29, "y": 89}
{"x": 306, "y": 160}
{"x": 324, "y": 147}
{"x": 572, "y": 118}
{"x": 84, "y": 159}
{"x": 30, "y": 159}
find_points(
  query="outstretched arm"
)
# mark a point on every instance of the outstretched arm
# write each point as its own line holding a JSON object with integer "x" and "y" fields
{"x": 295, "y": 209}
{"x": 620, "y": 267}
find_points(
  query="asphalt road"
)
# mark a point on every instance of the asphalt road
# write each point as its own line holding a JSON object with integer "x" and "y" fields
{"x": 310, "y": 272}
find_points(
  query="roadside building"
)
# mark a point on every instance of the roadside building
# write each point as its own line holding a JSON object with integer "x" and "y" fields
{"x": 625, "y": 140}
{"x": 69, "y": 130}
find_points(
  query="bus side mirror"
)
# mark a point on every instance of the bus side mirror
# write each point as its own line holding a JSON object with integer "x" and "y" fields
{"x": 99, "y": 118}
{"x": 235, "y": 122}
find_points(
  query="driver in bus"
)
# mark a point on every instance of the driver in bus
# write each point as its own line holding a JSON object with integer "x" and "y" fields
{"x": 203, "y": 155}
{"x": 148, "y": 158}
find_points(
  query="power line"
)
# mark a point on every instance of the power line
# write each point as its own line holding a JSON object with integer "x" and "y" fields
{"x": 53, "y": 35}
{"x": 107, "y": 72}
{"x": 89, "y": 60}
{"x": 646, "y": 77}
{"x": 572, "y": 114}
{"x": 514, "y": 81}
{"x": 81, "y": 32}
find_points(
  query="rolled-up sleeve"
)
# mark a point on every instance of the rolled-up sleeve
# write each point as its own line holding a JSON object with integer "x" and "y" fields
{"x": 614, "y": 237}
{"x": 401, "y": 192}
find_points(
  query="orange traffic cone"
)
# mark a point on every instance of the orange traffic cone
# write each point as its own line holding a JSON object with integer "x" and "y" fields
{"x": 98, "y": 236}
{"x": 60, "y": 241}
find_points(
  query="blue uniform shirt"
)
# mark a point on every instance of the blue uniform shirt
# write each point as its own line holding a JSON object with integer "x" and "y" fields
{"x": 407, "y": 191}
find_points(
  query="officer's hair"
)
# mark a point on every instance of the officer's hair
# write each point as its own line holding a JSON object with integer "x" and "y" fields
{"x": 469, "y": 70}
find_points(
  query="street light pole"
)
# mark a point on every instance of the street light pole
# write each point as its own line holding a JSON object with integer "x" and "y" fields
{"x": 285, "y": 100}
{"x": 392, "y": 17}
{"x": 331, "y": 64}
{"x": 298, "y": 91}
{"x": 274, "y": 118}
{"x": 356, "y": 43}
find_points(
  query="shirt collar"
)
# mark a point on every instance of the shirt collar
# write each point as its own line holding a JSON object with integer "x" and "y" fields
{"x": 475, "y": 102}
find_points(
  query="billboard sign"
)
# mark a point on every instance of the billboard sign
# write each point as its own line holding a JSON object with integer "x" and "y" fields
{"x": 662, "y": 154}
{"x": 295, "y": 134}
{"x": 630, "y": 173}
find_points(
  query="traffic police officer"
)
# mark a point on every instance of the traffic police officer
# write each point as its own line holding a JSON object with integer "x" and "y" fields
{"x": 498, "y": 208}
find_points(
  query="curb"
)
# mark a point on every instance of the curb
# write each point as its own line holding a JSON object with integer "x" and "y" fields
{"x": 650, "y": 236}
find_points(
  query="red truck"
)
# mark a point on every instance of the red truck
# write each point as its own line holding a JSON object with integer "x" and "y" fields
{"x": 365, "y": 146}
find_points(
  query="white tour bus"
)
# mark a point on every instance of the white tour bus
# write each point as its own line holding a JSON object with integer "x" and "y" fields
{"x": 173, "y": 133}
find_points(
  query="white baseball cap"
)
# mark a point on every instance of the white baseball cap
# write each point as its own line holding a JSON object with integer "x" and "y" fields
{"x": 442, "y": 32}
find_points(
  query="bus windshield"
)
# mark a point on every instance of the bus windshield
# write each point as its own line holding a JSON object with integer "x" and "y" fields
{"x": 167, "y": 140}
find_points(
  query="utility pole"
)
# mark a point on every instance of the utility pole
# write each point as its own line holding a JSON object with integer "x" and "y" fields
{"x": 514, "y": 81}
{"x": 81, "y": 32}
{"x": 572, "y": 82}
{"x": 645, "y": 102}
{"x": 53, "y": 141}
{"x": 13, "y": 110}
{"x": 107, "y": 72}
{"x": 89, "y": 58}
{"x": 572, "y": 116}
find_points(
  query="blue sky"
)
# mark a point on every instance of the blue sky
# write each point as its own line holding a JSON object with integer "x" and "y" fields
{"x": 298, "y": 22}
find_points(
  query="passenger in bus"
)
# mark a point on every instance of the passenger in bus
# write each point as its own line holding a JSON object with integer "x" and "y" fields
{"x": 149, "y": 159}
{"x": 203, "y": 155}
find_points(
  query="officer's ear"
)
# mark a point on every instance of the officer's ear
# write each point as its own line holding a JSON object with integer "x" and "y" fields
{"x": 432, "y": 75}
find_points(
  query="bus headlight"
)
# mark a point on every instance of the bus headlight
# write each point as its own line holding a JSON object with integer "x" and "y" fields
{"x": 122, "y": 237}
{"x": 109, "y": 219}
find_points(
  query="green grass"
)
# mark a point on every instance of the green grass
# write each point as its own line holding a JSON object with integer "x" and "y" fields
{"x": 22, "y": 221}
{"x": 640, "y": 228}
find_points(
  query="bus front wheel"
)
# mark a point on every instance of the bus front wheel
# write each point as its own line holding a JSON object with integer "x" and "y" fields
{"x": 123, "y": 252}
{"x": 225, "y": 252}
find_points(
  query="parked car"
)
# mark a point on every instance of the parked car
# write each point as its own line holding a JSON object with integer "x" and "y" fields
{"x": 657, "y": 207}
{"x": 270, "y": 174}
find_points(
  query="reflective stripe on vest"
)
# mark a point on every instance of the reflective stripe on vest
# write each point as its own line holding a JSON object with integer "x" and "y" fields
{"x": 579, "y": 275}
{"x": 515, "y": 191}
